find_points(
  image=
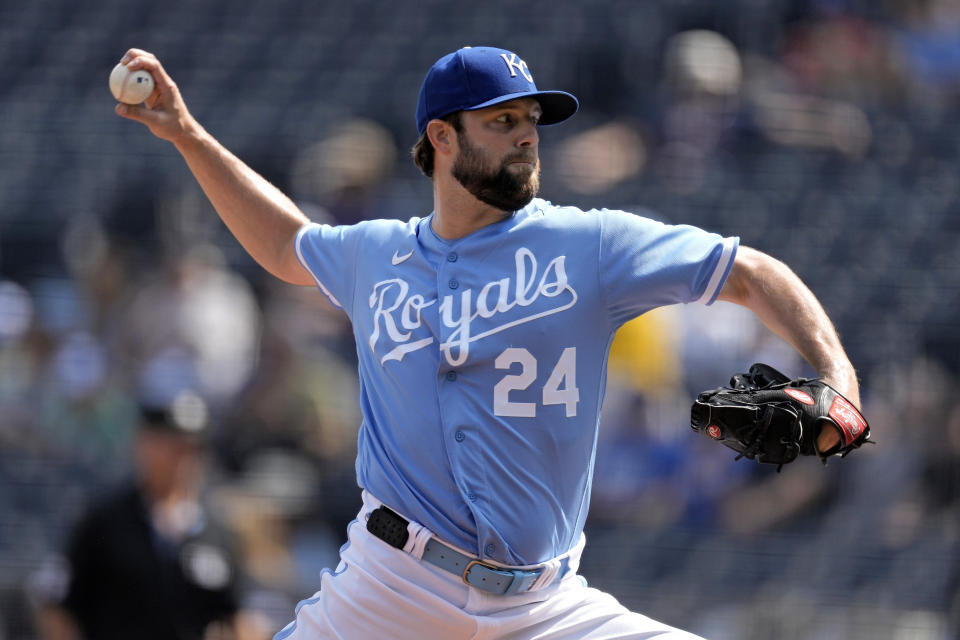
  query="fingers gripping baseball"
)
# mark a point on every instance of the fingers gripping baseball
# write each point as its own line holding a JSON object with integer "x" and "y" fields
{"x": 164, "y": 111}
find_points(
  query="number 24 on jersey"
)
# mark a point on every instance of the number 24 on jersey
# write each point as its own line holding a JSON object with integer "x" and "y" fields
{"x": 560, "y": 387}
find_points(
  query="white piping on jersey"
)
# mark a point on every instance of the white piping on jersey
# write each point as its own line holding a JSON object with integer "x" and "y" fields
{"x": 719, "y": 271}
{"x": 303, "y": 261}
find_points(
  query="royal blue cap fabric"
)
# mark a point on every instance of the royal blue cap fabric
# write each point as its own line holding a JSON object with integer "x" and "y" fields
{"x": 478, "y": 77}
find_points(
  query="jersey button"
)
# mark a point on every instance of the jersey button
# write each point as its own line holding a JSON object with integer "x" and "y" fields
{"x": 489, "y": 549}
{"x": 453, "y": 284}
{"x": 451, "y": 375}
{"x": 452, "y": 257}
{"x": 472, "y": 497}
{"x": 460, "y": 436}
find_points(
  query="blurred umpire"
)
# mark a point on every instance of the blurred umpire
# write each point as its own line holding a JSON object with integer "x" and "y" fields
{"x": 150, "y": 561}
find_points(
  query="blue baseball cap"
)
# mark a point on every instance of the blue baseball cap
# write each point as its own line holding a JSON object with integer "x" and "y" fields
{"x": 477, "y": 77}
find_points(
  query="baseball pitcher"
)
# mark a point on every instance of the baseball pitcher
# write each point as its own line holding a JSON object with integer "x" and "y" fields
{"x": 482, "y": 329}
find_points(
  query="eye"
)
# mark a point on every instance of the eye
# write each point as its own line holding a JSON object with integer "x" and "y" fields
{"x": 505, "y": 118}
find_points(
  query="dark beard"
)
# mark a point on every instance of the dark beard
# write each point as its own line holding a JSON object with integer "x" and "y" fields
{"x": 500, "y": 189}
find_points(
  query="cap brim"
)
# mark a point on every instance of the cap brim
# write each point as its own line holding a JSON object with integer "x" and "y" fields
{"x": 557, "y": 106}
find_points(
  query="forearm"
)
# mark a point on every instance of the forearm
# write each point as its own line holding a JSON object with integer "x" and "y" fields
{"x": 260, "y": 216}
{"x": 787, "y": 307}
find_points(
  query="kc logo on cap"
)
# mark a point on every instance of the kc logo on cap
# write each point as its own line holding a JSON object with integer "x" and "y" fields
{"x": 478, "y": 77}
{"x": 515, "y": 64}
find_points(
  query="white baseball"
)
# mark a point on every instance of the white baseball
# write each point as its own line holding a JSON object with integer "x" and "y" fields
{"x": 130, "y": 87}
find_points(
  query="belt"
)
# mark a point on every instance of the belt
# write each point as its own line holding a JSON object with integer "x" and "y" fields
{"x": 392, "y": 529}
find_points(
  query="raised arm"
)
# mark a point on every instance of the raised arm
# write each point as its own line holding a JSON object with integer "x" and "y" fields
{"x": 787, "y": 307}
{"x": 259, "y": 215}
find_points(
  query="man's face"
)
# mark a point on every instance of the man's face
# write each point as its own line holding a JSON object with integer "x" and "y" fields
{"x": 168, "y": 463}
{"x": 497, "y": 160}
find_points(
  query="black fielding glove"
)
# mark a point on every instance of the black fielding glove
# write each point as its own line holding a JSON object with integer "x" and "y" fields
{"x": 765, "y": 416}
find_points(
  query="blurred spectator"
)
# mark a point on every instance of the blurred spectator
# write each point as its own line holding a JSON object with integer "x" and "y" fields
{"x": 929, "y": 41}
{"x": 703, "y": 80}
{"x": 640, "y": 450}
{"x": 843, "y": 56}
{"x": 601, "y": 158}
{"x": 272, "y": 503}
{"x": 198, "y": 307}
{"x": 302, "y": 394}
{"x": 152, "y": 560}
{"x": 341, "y": 178}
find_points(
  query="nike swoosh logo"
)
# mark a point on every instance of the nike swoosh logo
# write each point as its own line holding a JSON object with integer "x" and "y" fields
{"x": 397, "y": 259}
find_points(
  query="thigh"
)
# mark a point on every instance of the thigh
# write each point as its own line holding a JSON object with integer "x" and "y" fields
{"x": 578, "y": 612}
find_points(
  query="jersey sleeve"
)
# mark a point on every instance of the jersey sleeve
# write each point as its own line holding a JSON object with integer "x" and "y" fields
{"x": 646, "y": 264}
{"x": 329, "y": 254}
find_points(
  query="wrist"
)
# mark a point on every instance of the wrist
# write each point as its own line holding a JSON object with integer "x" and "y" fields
{"x": 192, "y": 135}
{"x": 844, "y": 381}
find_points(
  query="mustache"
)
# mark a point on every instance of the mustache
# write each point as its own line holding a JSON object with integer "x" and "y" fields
{"x": 521, "y": 156}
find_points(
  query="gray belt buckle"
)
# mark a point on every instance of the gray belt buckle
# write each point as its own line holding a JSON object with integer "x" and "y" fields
{"x": 493, "y": 579}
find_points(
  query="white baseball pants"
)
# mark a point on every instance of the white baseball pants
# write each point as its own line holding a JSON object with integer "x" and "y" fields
{"x": 382, "y": 593}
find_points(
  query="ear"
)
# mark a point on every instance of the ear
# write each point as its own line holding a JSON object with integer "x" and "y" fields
{"x": 442, "y": 136}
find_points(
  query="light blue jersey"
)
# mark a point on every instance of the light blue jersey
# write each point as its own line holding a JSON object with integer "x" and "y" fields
{"x": 483, "y": 360}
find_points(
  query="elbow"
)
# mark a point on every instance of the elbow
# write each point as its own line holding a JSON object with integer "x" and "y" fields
{"x": 280, "y": 260}
{"x": 289, "y": 269}
{"x": 748, "y": 275}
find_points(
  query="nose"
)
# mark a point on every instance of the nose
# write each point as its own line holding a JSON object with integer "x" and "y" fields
{"x": 529, "y": 137}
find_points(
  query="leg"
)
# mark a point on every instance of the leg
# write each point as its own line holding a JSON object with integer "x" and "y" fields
{"x": 577, "y": 612}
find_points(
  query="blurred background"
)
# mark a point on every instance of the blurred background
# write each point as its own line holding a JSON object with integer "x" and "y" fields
{"x": 823, "y": 132}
